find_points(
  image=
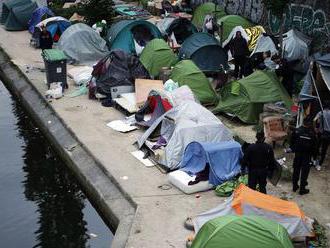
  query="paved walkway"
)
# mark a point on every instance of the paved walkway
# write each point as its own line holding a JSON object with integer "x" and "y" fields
{"x": 160, "y": 213}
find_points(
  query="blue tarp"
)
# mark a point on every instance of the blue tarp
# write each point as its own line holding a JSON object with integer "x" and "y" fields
{"x": 37, "y": 16}
{"x": 223, "y": 158}
{"x": 58, "y": 25}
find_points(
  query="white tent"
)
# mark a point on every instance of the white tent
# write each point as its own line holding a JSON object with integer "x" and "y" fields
{"x": 295, "y": 45}
{"x": 182, "y": 125}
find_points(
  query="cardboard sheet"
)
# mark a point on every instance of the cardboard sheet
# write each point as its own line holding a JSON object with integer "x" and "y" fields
{"x": 139, "y": 155}
{"x": 143, "y": 88}
{"x": 121, "y": 126}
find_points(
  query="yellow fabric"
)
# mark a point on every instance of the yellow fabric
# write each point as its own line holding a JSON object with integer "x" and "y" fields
{"x": 245, "y": 195}
{"x": 254, "y": 34}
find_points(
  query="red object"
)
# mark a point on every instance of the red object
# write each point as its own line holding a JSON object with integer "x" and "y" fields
{"x": 294, "y": 108}
{"x": 56, "y": 37}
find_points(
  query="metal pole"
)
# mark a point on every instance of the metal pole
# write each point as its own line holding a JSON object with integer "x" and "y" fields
{"x": 319, "y": 99}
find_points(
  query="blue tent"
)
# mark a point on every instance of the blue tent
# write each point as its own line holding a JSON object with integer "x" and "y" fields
{"x": 223, "y": 159}
{"x": 38, "y": 15}
{"x": 55, "y": 25}
{"x": 122, "y": 34}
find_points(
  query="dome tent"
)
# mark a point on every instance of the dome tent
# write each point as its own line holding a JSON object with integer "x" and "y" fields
{"x": 200, "y": 46}
{"x": 81, "y": 44}
{"x": 296, "y": 45}
{"x": 118, "y": 68}
{"x": 245, "y": 98}
{"x": 124, "y": 34}
{"x": 55, "y": 25}
{"x": 39, "y": 15}
{"x": 242, "y": 232}
{"x": 187, "y": 73}
{"x": 205, "y": 9}
{"x": 16, "y": 15}
{"x": 182, "y": 125}
{"x": 247, "y": 202}
{"x": 157, "y": 54}
{"x": 8, "y": 5}
{"x": 180, "y": 28}
{"x": 229, "y": 22}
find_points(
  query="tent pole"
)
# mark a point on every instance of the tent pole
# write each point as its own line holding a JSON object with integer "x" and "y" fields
{"x": 318, "y": 97}
{"x": 317, "y": 92}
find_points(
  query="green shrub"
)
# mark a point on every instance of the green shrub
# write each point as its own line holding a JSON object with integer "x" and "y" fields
{"x": 97, "y": 10}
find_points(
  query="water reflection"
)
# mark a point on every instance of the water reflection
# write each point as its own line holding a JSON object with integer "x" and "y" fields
{"x": 54, "y": 190}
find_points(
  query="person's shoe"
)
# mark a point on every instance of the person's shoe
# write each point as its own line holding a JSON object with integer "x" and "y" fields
{"x": 295, "y": 188}
{"x": 318, "y": 167}
{"x": 303, "y": 191}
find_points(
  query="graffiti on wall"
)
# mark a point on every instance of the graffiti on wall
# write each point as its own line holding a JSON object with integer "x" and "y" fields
{"x": 251, "y": 9}
{"x": 304, "y": 18}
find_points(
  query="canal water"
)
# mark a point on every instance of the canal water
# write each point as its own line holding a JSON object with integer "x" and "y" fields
{"x": 41, "y": 203}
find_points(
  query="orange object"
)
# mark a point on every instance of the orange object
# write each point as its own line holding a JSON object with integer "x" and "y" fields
{"x": 244, "y": 195}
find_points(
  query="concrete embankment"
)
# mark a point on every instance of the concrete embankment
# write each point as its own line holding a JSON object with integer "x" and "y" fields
{"x": 100, "y": 187}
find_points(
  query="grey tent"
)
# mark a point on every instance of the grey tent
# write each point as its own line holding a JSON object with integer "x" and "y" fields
{"x": 16, "y": 14}
{"x": 81, "y": 44}
{"x": 205, "y": 51}
{"x": 180, "y": 126}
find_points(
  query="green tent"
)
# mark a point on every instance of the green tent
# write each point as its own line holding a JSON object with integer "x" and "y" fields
{"x": 187, "y": 73}
{"x": 157, "y": 54}
{"x": 242, "y": 232}
{"x": 204, "y": 9}
{"x": 245, "y": 98}
{"x": 231, "y": 21}
{"x": 16, "y": 15}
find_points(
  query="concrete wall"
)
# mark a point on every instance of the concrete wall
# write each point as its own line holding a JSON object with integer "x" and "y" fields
{"x": 312, "y": 17}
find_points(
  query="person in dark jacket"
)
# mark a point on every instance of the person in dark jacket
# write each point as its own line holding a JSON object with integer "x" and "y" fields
{"x": 322, "y": 128}
{"x": 285, "y": 71}
{"x": 45, "y": 40}
{"x": 303, "y": 143}
{"x": 260, "y": 161}
{"x": 239, "y": 49}
{"x": 256, "y": 61}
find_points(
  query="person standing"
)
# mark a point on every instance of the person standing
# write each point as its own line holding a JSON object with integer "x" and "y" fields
{"x": 239, "y": 49}
{"x": 260, "y": 161}
{"x": 303, "y": 143}
{"x": 322, "y": 121}
{"x": 45, "y": 40}
{"x": 285, "y": 71}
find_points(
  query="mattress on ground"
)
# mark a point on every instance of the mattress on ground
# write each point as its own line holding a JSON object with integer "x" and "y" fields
{"x": 180, "y": 179}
